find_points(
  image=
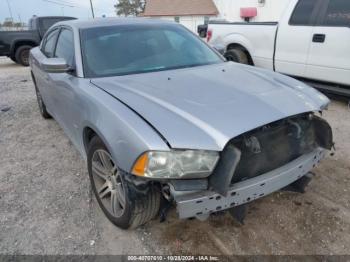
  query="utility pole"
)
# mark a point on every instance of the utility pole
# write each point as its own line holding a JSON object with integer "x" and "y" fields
{"x": 8, "y": 4}
{"x": 92, "y": 9}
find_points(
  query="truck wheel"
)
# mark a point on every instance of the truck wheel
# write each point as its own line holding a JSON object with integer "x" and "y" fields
{"x": 236, "y": 55}
{"x": 124, "y": 206}
{"x": 22, "y": 55}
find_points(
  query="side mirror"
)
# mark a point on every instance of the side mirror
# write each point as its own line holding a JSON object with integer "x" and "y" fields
{"x": 202, "y": 34}
{"x": 55, "y": 65}
{"x": 202, "y": 30}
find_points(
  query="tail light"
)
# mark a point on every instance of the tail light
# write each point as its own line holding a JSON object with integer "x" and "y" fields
{"x": 209, "y": 34}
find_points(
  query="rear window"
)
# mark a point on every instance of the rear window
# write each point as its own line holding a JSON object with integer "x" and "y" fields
{"x": 48, "y": 22}
{"x": 302, "y": 14}
{"x": 338, "y": 13}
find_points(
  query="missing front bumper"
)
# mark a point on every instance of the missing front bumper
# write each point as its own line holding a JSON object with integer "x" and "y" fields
{"x": 201, "y": 204}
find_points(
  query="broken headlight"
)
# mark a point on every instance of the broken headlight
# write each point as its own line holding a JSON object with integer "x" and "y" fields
{"x": 176, "y": 164}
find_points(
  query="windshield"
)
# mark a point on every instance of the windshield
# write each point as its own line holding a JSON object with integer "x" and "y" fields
{"x": 131, "y": 49}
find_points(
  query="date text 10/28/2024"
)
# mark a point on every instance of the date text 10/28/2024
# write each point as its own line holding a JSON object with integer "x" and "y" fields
{"x": 173, "y": 258}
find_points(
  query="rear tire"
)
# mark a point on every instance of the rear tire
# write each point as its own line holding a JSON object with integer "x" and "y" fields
{"x": 22, "y": 55}
{"x": 237, "y": 55}
{"x": 130, "y": 207}
{"x": 41, "y": 104}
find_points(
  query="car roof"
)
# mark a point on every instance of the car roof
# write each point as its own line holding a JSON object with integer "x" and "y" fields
{"x": 102, "y": 22}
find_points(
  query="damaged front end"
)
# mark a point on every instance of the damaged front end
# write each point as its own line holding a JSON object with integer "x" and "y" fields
{"x": 255, "y": 164}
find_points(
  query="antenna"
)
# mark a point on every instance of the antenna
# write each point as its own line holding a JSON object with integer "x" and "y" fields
{"x": 59, "y": 3}
{"x": 8, "y": 4}
{"x": 92, "y": 9}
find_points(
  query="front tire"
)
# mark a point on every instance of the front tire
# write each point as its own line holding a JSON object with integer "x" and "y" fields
{"x": 22, "y": 55}
{"x": 124, "y": 205}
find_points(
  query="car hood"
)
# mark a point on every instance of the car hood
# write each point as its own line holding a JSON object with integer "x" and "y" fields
{"x": 205, "y": 107}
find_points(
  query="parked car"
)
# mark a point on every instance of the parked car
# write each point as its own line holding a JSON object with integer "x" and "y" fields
{"x": 311, "y": 42}
{"x": 158, "y": 114}
{"x": 16, "y": 44}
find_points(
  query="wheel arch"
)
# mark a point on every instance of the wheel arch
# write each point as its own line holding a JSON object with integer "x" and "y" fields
{"x": 89, "y": 133}
{"x": 240, "y": 41}
{"x": 244, "y": 49}
{"x": 20, "y": 43}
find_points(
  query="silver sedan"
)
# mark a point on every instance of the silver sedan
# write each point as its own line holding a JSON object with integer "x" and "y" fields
{"x": 162, "y": 118}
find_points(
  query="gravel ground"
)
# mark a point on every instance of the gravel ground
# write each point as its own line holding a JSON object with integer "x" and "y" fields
{"x": 46, "y": 205}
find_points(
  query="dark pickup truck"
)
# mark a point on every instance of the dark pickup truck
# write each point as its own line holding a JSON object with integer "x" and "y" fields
{"x": 16, "y": 44}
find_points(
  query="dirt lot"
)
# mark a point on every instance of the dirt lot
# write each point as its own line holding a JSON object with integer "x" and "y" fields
{"x": 46, "y": 205}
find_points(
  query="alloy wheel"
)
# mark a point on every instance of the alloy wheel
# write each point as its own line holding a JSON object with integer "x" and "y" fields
{"x": 108, "y": 183}
{"x": 25, "y": 56}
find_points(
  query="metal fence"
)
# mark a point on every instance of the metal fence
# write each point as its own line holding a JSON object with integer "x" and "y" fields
{"x": 13, "y": 28}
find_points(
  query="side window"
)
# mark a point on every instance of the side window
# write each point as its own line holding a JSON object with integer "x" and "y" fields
{"x": 49, "y": 43}
{"x": 338, "y": 13}
{"x": 302, "y": 14}
{"x": 65, "y": 46}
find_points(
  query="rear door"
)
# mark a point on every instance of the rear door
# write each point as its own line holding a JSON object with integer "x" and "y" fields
{"x": 43, "y": 79}
{"x": 329, "y": 55}
{"x": 294, "y": 38}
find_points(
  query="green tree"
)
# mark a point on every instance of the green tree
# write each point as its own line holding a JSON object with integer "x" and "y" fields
{"x": 18, "y": 24}
{"x": 139, "y": 6}
{"x": 129, "y": 7}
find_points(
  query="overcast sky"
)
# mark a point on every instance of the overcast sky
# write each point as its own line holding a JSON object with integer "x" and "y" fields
{"x": 81, "y": 8}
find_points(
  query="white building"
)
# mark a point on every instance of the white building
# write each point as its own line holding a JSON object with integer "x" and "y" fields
{"x": 267, "y": 10}
{"x": 189, "y": 13}
{"x": 192, "y": 13}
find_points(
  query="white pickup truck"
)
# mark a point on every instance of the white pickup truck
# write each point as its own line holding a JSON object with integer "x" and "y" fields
{"x": 311, "y": 41}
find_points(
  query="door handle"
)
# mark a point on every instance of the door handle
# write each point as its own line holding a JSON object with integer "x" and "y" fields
{"x": 319, "y": 38}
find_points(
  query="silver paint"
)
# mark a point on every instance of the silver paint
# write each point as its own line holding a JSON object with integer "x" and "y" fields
{"x": 201, "y": 204}
{"x": 195, "y": 108}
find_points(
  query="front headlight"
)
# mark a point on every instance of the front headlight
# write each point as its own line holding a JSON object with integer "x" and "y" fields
{"x": 176, "y": 164}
